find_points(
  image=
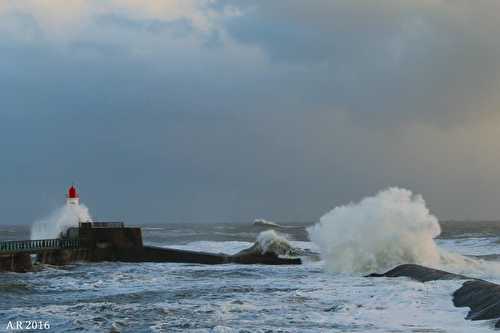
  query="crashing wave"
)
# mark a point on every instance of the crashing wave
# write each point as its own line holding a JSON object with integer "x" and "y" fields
{"x": 59, "y": 221}
{"x": 271, "y": 243}
{"x": 380, "y": 232}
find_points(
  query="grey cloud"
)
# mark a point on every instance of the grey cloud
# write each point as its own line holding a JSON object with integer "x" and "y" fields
{"x": 179, "y": 27}
{"x": 282, "y": 112}
{"x": 407, "y": 60}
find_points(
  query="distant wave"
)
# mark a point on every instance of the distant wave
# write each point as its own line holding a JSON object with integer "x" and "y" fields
{"x": 266, "y": 223}
{"x": 271, "y": 224}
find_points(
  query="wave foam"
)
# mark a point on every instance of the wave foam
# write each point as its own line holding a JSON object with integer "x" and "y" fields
{"x": 270, "y": 241}
{"x": 380, "y": 232}
{"x": 265, "y": 223}
{"x": 59, "y": 221}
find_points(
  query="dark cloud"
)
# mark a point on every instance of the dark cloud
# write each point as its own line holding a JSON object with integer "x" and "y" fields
{"x": 277, "y": 109}
{"x": 407, "y": 60}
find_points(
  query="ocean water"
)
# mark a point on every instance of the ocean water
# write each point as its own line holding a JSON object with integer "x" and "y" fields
{"x": 171, "y": 297}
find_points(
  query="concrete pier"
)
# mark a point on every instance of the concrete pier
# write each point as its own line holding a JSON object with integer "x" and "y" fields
{"x": 112, "y": 241}
{"x": 16, "y": 262}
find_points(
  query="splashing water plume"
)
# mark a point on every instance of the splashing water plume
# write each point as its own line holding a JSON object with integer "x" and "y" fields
{"x": 379, "y": 232}
{"x": 393, "y": 227}
{"x": 271, "y": 241}
{"x": 59, "y": 221}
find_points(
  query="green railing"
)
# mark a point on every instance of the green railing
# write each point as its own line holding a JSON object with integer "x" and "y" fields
{"x": 38, "y": 245}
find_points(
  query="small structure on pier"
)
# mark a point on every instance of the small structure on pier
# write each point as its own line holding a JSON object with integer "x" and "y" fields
{"x": 105, "y": 235}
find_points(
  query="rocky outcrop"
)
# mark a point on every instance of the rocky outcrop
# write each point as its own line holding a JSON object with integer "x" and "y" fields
{"x": 419, "y": 273}
{"x": 255, "y": 255}
{"x": 482, "y": 297}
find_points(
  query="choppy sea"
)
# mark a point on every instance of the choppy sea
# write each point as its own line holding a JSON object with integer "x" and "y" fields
{"x": 171, "y": 297}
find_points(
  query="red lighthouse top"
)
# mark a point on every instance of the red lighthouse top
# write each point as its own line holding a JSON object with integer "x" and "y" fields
{"x": 72, "y": 193}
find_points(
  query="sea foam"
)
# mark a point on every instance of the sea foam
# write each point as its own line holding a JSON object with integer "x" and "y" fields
{"x": 391, "y": 228}
{"x": 377, "y": 233}
{"x": 59, "y": 221}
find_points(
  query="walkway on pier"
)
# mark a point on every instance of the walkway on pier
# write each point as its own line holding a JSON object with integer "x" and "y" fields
{"x": 39, "y": 245}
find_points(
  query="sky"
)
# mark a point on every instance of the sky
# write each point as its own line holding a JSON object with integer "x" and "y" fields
{"x": 173, "y": 111}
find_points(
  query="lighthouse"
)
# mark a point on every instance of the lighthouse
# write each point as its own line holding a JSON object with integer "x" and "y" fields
{"x": 72, "y": 198}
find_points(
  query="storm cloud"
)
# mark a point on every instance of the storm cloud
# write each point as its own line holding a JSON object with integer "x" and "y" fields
{"x": 205, "y": 111}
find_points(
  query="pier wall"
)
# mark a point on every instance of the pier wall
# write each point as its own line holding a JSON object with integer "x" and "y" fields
{"x": 97, "y": 244}
{"x": 103, "y": 238}
{"x": 16, "y": 262}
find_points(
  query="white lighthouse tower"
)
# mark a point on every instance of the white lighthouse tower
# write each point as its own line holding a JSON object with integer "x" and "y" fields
{"x": 72, "y": 198}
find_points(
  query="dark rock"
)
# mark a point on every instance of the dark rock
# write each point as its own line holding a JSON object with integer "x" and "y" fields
{"x": 419, "y": 273}
{"x": 482, "y": 297}
{"x": 254, "y": 255}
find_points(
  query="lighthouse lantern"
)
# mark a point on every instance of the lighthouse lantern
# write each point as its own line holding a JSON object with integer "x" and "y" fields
{"x": 72, "y": 198}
